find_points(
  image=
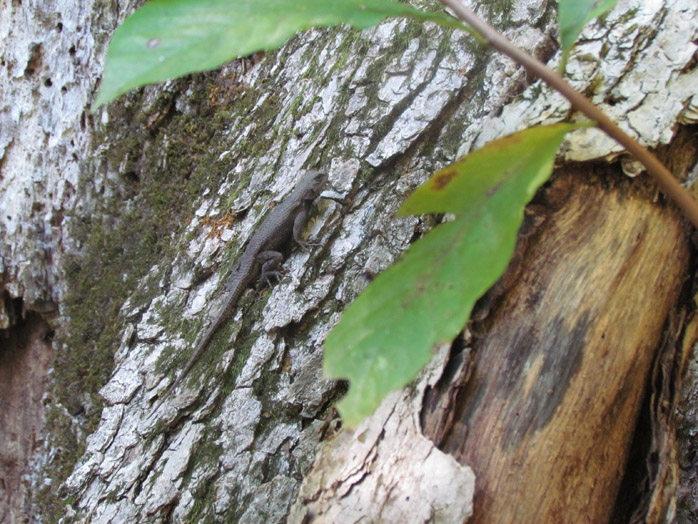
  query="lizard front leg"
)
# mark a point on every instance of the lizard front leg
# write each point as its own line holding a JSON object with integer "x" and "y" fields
{"x": 298, "y": 226}
{"x": 270, "y": 261}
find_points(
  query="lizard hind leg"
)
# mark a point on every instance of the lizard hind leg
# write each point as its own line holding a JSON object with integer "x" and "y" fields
{"x": 271, "y": 260}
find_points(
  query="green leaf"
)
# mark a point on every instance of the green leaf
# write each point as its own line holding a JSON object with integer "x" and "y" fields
{"x": 169, "y": 38}
{"x": 385, "y": 337}
{"x": 573, "y": 15}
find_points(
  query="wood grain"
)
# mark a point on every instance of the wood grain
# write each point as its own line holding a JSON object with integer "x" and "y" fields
{"x": 546, "y": 412}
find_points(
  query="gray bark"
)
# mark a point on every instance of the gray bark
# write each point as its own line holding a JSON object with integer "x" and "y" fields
{"x": 119, "y": 229}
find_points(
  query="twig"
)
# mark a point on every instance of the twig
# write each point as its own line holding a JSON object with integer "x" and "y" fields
{"x": 654, "y": 167}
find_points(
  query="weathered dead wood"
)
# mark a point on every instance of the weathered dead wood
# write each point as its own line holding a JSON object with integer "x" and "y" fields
{"x": 25, "y": 358}
{"x": 546, "y": 415}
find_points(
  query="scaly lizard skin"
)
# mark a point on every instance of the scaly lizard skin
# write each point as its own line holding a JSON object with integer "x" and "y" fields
{"x": 287, "y": 219}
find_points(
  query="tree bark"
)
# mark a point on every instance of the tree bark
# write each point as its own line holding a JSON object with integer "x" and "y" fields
{"x": 133, "y": 217}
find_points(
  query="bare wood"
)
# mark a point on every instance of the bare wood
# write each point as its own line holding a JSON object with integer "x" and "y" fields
{"x": 547, "y": 413}
{"x": 26, "y": 355}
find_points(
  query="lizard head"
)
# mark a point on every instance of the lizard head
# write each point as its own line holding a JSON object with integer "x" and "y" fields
{"x": 312, "y": 183}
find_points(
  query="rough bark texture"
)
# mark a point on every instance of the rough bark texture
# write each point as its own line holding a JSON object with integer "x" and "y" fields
{"x": 130, "y": 221}
{"x": 50, "y": 61}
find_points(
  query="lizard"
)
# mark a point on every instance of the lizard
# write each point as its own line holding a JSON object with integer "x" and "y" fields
{"x": 286, "y": 220}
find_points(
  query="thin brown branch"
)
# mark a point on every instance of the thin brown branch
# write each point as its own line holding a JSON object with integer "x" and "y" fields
{"x": 654, "y": 167}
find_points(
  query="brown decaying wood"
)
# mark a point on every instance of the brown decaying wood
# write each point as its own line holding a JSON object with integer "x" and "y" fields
{"x": 25, "y": 358}
{"x": 546, "y": 413}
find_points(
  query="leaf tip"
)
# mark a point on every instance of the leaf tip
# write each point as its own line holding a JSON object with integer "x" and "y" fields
{"x": 99, "y": 101}
{"x": 352, "y": 415}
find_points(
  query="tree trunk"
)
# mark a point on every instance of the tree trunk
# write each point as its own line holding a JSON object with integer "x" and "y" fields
{"x": 133, "y": 218}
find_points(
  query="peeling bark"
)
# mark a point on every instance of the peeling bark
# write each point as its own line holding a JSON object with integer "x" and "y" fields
{"x": 386, "y": 471}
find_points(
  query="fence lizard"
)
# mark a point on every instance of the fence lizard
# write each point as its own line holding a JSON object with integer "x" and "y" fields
{"x": 286, "y": 220}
